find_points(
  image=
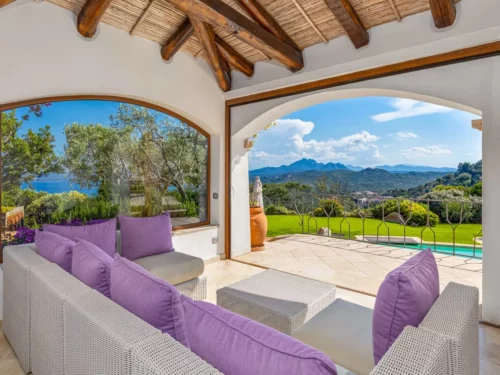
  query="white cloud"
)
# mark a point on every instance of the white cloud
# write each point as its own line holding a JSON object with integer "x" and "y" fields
{"x": 401, "y": 136}
{"x": 355, "y": 142}
{"x": 294, "y": 139}
{"x": 425, "y": 151}
{"x": 410, "y": 108}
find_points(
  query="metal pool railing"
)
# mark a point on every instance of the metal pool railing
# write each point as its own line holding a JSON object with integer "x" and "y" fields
{"x": 340, "y": 212}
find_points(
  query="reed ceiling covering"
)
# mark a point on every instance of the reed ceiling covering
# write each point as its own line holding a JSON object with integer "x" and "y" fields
{"x": 296, "y": 24}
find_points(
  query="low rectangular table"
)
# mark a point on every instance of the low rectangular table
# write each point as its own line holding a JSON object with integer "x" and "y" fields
{"x": 279, "y": 300}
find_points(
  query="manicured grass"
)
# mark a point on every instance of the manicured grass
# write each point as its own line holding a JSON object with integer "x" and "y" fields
{"x": 290, "y": 224}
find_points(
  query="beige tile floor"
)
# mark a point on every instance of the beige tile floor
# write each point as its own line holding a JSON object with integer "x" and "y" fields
{"x": 360, "y": 266}
{"x": 224, "y": 273}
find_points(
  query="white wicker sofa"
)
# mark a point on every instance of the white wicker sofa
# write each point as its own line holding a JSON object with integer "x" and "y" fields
{"x": 57, "y": 325}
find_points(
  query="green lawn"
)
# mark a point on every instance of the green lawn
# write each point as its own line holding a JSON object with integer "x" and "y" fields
{"x": 290, "y": 224}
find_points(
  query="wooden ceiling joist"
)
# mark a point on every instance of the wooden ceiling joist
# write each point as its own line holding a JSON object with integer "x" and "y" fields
{"x": 395, "y": 10}
{"x": 5, "y": 2}
{"x": 177, "y": 40}
{"x": 219, "y": 14}
{"x": 90, "y": 15}
{"x": 264, "y": 18}
{"x": 349, "y": 19}
{"x": 235, "y": 60}
{"x": 143, "y": 17}
{"x": 310, "y": 21}
{"x": 219, "y": 66}
{"x": 444, "y": 12}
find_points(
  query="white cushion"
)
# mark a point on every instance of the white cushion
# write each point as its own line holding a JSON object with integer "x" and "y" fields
{"x": 343, "y": 331}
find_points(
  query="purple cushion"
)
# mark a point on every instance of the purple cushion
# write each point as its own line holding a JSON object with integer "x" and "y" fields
{"x": 239, "y": 346}
{"x": 102, "y": 235}
{"x": 55, "y": 248}
{"x": 91, "y": 265}
{"x": 150, "y": 298}
{"x": 404, "y": 298}
{"x": 144, "y": 236}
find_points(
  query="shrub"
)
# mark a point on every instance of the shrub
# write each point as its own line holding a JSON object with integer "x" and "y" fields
{"x": 418, "y": 212}
{"x": 7, "y": 209}
{"x": 40, "y": 211}
{"x": 273, "y": 209}
{"x": 329, "y": 207}
{"x": 471, "y": 206}
{"x": 87, "y": 210}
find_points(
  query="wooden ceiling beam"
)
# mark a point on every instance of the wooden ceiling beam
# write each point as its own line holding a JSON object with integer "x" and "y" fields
{"x": 219, "y": 66}
{"x": 264, "y": 18}
{"x": 5, "y": 2}
{"x": 177, "y": 40}
{"x": 90, "y": 15}
{"x": 219, "y": 14}
{"x": 349, "y": 19}
{"x": 444, "y": 12}
{"x": 235, "y": 60}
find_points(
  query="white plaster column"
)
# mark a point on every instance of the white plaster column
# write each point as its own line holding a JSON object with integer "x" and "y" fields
{"x": 491, "y": 202}
{"x": 240, "y": 200}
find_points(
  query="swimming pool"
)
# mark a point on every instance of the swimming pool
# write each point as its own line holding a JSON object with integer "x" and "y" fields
{"x": 447, "y": 249}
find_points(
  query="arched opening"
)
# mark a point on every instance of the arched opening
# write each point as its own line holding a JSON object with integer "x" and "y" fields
{"x": 84, "y": 159}
{"x": 375, "y": 183}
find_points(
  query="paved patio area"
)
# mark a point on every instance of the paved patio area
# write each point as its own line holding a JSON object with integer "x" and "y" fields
{"x": 354, "y": 265}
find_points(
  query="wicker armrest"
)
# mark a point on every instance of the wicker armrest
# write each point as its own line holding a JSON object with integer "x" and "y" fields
{"x": 455, "y": 314}
{"x": 99, "y": 335}
{"x": 415, "y": 351}
{"x": 18, "y": 260}
{"x": 50, "y": 286}
{"x": 159, "y": 355}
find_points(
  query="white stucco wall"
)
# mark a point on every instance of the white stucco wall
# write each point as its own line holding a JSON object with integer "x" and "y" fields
{"x": 42, "y": 55}
{"x": 472, "y": 86}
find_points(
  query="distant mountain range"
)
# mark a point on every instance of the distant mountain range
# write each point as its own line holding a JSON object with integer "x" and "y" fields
{"x": 305, "y": 165}
{"x": 379, "y": 179}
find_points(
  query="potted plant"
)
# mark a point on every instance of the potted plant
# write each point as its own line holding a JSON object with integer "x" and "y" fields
{"x": 258, "y": 226}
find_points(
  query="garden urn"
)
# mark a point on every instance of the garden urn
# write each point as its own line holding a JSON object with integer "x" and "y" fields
{"x": 258, "y": 228}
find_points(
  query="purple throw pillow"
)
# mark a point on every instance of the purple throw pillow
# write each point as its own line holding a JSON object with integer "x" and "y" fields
{"x": 239, "y": 346}
{"x": 145, "y": 236}
{"x": 102, "y": 235}
{"x": 91, "y": 265}
{"x": 404, "y": 298}
{"x": 148, "y": 297}
{"x": 54, "y": 248}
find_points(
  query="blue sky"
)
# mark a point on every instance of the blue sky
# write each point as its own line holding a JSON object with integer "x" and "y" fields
{"x": 61, "y": 113}
{"x": 370, "y": 131}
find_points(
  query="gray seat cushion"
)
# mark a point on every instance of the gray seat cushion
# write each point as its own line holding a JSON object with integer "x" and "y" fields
{"x": 343, "y": 331}
{"x": 174, "y": 267}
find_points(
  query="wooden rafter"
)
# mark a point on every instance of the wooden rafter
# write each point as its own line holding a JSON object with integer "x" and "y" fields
{"x": 264, "y": 18}
{"x": 177, "y": 40}
{"x": 235, "y": 60}
{"x": 143, "y": 17}
{"x": 5, "y": 2}
{"x": 395, "y": 10}
{"x": 444, "y": 12}
{"x": 348, "y": 18}
{"x": 219, "y": 14}
{"x": 90, "y": 15}
{"x": 219, "y": 66}
{"x": 310, "y": 21}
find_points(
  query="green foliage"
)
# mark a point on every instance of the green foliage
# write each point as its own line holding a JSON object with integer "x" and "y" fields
{"x": 89, "y": 209}
{"x": 329, "y": 207}
{"x": 477, "y": 189}
{"x": 450, "y": 187}
{"x": 279, "y": 194}
{"x": 273, "y": 209}
{"x": 458, "y": 200}
{"x": 191, "y": 208}
{"x": 418, "y": 212}
{"x": 26, "y": 156}
{"x": 6, "y": 209}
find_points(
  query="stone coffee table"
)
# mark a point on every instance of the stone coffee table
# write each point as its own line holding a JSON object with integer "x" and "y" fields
{"x": 277, "y": 299}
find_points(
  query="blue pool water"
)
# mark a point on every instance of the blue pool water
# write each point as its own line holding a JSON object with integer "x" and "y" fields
{"x": 447, "y": 249}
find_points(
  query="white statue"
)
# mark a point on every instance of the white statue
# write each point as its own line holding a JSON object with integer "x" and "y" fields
{"x": 257, "y": 193}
